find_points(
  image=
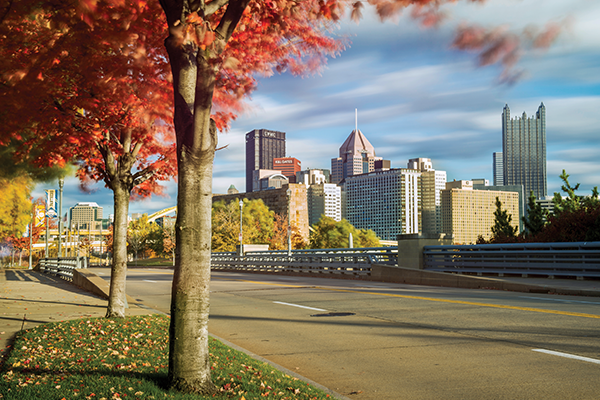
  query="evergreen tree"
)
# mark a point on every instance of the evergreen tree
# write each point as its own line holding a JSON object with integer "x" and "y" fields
{"x": 502, "y": 230}
{"x": 535, "y": 220}
{"x": 569, "y": 204}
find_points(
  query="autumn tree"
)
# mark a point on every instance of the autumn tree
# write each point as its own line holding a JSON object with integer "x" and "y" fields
{"x": 139, "y": 233}
{"x": 331, "y": 234}
{"x": 161, "y": 239}
{"x": 222, "y": 43}
{"x": 15, "y": 206}
{"x": 95, "y": 95}
{"x": 257, "y": 224}
{"x": 279, "y": 238}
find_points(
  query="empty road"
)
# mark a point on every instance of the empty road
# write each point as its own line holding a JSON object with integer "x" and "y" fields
{"x": 370, "y": 340}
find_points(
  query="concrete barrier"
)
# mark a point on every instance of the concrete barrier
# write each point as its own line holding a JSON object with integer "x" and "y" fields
{"x": 387, "y": 273}
{"x": 410, "y": 248}
{"x": 92, "y": 283}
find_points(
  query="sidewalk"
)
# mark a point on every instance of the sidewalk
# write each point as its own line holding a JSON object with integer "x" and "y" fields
{"x": 29, "y": 298}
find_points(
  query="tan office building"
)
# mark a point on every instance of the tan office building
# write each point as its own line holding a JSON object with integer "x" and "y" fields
{"x": 467, "y": 213}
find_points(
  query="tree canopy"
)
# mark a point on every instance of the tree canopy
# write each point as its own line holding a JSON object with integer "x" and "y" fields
{"x": 331, "y": 234}
{"x": 257, "y": 224}
{"x": 15, "y": 206}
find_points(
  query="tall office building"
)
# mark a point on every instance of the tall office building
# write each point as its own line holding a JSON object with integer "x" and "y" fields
{"x": 524, "y": 151}
{"x": 288, "y": 167}
{"x": 262, "y": 146}
{"x": 385, "y": 201}
{"x": 324, "y": 199}
{"x": 86, "y": 215}
{"x": 432, "y": 183}
{"x": 357, "y": 156}
{"x": 497, "y": 167}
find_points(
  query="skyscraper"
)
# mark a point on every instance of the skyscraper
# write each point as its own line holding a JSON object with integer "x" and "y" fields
{"x": 524, "y": 151}
{"x": 385, "y": 201}
{"x": 85, "y": 215}
{"x": 262, "y": 146}
{"x": 431, "y": 184}
{"x": 288, "y": 167}
{"x": 497, "y": 166}
{"x": 324, "y": 199}
{"x": 357, "y": 156}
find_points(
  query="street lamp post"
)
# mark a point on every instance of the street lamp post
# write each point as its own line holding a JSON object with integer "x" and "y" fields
{"x": 31, "y": 234}
{"x": 61, "y": 183}
{"x": 241, "y": 228}
{"x": 289, "y": 230}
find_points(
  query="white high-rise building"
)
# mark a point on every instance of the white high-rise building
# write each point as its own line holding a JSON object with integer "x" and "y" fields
{"x": 385, "y": 201}
{"x": 432, "y": 183}
{"x": 498, "y": 168}
{"x": 324, "y": 199}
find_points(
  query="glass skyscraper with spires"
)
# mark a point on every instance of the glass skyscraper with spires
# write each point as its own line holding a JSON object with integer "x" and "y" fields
{"x": 524, "y": 151}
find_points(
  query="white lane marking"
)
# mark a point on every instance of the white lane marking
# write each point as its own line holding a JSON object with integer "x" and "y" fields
{"x": 561, "y": 300}
{"x": 146, "y": 280}
{"x": 358, "y": 285}
{"x": 566, "y": 355}
{"x": 297, "y": 305}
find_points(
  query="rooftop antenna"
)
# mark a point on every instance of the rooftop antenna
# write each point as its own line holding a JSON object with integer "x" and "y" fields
{"x": 356, "y": 120}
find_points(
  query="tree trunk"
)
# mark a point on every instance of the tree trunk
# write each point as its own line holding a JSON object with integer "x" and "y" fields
{"x": 117, "y": 300}
{"x": 189, "y": 362}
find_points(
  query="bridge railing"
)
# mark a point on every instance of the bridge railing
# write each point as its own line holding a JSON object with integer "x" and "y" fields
{"x": 355, "y": 262}
{"x": 62, "y": 266}
{"x": 580, "y": 259}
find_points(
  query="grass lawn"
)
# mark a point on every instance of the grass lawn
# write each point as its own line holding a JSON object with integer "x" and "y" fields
{"x": 151, "y": 262}
{"x": 99, "y": 358}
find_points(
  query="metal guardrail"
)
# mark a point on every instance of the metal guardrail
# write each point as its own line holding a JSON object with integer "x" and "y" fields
{"x": 580, "y": 259}
{"x": 355, "y": 262}
{"x": 63, "y": 266}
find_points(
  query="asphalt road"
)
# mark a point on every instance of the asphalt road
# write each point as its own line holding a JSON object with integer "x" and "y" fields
{"x": 369, "y": 340}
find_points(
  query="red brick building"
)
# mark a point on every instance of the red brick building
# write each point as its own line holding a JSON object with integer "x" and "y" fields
{"x": 288, "y": 167}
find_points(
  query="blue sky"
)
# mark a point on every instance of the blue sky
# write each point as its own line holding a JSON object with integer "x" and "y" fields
{"x": 418, "y": 97}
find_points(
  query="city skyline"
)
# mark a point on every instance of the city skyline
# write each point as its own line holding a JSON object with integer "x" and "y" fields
{"x": 417, "y": 97}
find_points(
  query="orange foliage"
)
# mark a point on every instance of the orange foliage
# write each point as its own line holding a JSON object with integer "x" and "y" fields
{"x": 74, "y": 87}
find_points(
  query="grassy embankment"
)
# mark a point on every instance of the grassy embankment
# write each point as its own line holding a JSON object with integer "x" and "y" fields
{"x": 99, "y": 358}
